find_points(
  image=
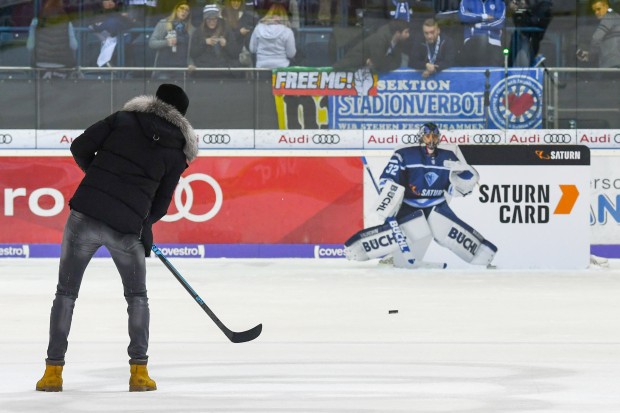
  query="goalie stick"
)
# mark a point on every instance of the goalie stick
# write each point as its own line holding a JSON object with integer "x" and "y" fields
{"x": 235, "y": 337}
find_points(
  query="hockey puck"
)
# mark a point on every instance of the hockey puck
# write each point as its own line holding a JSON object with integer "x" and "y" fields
{"x": 392, "y": 311}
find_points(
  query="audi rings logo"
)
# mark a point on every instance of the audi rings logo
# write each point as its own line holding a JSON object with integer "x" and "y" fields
{"x": 326, "y": 139}
{"x": 5, "y": 138}
{"x": 216, "y": 138}
{"x": 557, "y": 138}
{"x": 184, "y": 207}
{"x": 487, "y": 138}
{"x": 410, "y": 139}
{"x": 617, "y": 138}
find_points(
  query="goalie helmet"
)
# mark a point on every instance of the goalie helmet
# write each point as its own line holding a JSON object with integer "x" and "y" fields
{"x": 429, "y": 136}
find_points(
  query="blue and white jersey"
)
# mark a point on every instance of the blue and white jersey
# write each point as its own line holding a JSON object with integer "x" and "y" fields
{"x": 424, "y": 177}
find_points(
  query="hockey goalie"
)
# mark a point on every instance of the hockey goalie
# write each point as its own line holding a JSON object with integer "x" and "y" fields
{"x": 413, "y": 207}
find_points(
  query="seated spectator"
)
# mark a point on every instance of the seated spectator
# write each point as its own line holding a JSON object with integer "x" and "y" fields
{"x": 241, "y": 22}
{"x": 606, "y": 39}
{"x": 52, "y": 40}
{"x": 483, "y": 21}
{"x": 110, "y": 27}
{"x": 273, "y": 40}
{"x": 380, "y": 52}
{"x": 171, "y": 39}
{"x": 531, "y": 18}
{"x": 435, "y": 53}
{"x": 213, "y": 44}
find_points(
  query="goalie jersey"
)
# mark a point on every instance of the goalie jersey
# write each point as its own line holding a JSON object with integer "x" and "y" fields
{"x": 424, "y": 176}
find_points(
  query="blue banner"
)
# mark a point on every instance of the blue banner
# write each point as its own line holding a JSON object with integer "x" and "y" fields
{"x": 453, "y": 98}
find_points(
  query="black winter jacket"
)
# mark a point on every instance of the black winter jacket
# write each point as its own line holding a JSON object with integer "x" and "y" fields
{"x": 133, "y": 160}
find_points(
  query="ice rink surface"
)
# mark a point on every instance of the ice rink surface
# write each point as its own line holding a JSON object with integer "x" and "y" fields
{"x": 462, "y": 341}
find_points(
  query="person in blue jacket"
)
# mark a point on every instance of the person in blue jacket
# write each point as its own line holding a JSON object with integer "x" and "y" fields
{"x": 483, "y": 21}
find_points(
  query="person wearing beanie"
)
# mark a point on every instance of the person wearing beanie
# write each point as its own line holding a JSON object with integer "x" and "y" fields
{"x": 213, "y": 44}
{"x": 132, "y": 161}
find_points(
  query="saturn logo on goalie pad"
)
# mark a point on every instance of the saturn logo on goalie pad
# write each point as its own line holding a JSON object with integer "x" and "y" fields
{"x": 467, "y": 243}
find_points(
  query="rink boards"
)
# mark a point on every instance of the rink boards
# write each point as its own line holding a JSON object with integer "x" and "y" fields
{"x": 305, "y": 204}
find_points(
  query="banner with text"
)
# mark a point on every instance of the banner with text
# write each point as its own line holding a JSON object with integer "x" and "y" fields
{"x": 453, "y": 98}
{"x": 309, "y": 138}
{"x": 532, "y": 202}
{"x": 224, "y": 200}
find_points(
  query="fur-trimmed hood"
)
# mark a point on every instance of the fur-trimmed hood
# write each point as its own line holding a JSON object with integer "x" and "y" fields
{"x": 157, "y": 107}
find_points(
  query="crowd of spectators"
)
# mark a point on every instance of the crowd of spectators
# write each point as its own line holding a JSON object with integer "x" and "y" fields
{"x": 195, "y": 34}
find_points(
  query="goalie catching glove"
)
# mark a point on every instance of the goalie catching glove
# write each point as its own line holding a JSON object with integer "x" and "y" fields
{"x": 463, "y": 177}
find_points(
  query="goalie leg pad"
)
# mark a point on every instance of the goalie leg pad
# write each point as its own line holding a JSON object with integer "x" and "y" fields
{"x": 380, "y": 240}
{"x": 419, "y": 236}
{"x": 369, "y": 243}
{"x": 451, "y": 232}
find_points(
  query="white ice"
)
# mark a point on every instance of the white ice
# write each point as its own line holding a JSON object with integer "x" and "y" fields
{"x": 462, "y": 341}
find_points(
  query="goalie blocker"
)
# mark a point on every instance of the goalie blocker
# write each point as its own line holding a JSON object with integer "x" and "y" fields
{"x": 448, "y": 230}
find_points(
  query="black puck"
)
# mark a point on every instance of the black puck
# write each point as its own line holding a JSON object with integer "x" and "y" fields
{"x": 392, "y": 311}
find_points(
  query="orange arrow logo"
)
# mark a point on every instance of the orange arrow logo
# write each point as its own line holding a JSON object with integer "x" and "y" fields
{"x": 568, "y": 199}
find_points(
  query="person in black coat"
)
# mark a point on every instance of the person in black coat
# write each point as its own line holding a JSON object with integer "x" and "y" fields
{"x": 133, "y": 160}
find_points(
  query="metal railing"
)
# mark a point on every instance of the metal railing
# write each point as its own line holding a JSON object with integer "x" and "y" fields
{"x": 572, "y": 97}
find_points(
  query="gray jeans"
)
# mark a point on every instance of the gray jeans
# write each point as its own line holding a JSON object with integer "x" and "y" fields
{"x": 82, "y": 237}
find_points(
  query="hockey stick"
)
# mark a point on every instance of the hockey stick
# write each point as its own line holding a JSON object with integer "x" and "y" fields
{"x": 404, "y": 246}
{"x": 372, "y": 178}
{"x": 235, "y": 337}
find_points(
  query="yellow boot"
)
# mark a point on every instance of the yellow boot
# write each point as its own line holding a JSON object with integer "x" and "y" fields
{"x": 140, "y": 380}
{"x": 52, "y": 378}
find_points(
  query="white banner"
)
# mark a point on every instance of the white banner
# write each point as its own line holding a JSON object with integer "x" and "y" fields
{"x": 530, "y": 232}
{"x": 308, "y": 139}
{"x": 337, "y": 139}
{"x": 17, "y": 139}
